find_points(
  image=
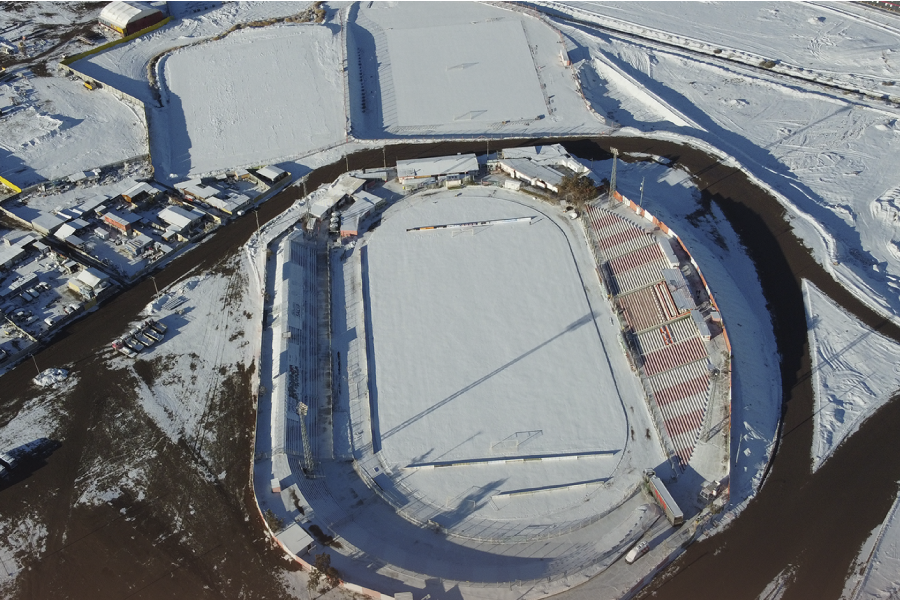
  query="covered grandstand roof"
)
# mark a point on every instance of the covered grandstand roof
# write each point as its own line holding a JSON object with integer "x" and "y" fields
{"x": 440, "y": 165}
{"x": 120, "y": 14}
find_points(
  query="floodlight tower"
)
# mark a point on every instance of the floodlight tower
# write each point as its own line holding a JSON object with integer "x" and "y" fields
{"x": 308, "y": 463}
{"x": 612, "y": 178}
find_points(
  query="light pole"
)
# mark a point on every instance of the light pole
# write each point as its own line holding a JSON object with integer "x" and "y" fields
{"x": 35, "y": 364}
{"x": 256, "y": 214}
{"x": 384, "y": 158}
{"x": 154, "y": 285}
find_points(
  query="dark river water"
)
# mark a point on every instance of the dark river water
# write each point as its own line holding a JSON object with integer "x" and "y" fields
{"x": 813, "y": 525}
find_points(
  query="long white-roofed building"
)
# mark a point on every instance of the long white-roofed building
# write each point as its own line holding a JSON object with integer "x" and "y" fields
{"x": 420, "y": 171}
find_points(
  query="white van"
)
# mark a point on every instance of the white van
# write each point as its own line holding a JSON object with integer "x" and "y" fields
{"x": 637, "y": 552}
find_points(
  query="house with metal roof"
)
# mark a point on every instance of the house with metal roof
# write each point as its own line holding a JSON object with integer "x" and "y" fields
{"x": 343, "y": 186}
{"x": 89, "y": 282}
{"x": 123, "y": 223}
{"x": 47, "y": 223}
{"x": 353, "y": 219}
{"x": 272, "y": 174}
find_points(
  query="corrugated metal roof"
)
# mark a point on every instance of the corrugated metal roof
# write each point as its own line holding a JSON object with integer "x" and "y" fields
{"x": 439, "y": 165}
{"x": 121, "y": 14}
{"x": 271, "y": 173}
{"x": 534, "y": 170}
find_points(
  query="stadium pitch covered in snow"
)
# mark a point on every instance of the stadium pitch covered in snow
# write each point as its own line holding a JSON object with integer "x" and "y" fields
{"x": 494, "y": 344}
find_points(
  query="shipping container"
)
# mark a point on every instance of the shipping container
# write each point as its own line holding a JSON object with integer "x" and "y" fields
{"x": 663, "y": 498}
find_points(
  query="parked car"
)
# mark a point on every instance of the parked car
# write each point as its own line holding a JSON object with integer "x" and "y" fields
{"x": 637, "y": 552}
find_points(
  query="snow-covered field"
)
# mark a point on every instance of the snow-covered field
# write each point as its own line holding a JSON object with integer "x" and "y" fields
{"x": 493, "y": 343}
{"x": 854, "y": 372}
{"x": 226, "y": 106}
{"x": 438, "y": 69}
{"x": 827, "y": 155}
{"x": 58, "y": 128}
{"x": 207, "y": 336}
{"x": 125, "y": 66}
{"x": 829, "y": 38}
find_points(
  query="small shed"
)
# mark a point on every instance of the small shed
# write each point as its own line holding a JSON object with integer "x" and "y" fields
{"x": 140, "y": 192}
{"x": 272, "y": 174}
{"x": 88, "y": 283}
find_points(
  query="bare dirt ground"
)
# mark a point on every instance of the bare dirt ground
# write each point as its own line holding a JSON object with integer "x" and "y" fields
{"x": 128, "y": 512}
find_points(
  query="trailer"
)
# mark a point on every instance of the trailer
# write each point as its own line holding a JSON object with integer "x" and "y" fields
{"x": 157, "y": 326}
{"x": 663, "y": 498}
{"x": 133, "y": 343}
{"x": 140, "y": 337}
{"x": 119, "y": 346}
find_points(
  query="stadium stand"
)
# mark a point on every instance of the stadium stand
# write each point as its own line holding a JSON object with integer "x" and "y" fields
{"x": 638, "y": 270}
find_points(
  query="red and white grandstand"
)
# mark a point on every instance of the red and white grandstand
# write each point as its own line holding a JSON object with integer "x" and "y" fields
{"x": 641, "y": 266}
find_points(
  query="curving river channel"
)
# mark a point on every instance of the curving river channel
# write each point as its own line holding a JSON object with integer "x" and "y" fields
{"x": 811, "y": 524}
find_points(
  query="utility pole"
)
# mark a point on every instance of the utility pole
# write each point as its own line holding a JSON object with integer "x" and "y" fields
{"x": 384, "y": 158}
{"x": 35, "y": 364}
{"x": 642, "y": 193}
{"x": 347, "y": 161}
{"x": 154, "y": 286}
{"x": 256, "y": 214}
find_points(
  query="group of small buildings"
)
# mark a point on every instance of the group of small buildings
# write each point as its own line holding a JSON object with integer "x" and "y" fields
{"x": 230, "y": 201}
{"x": 540, "y": 166}
{"x": 350, "y": 206}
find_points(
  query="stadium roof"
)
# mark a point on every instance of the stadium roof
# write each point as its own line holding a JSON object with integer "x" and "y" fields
{"x": 440, "y": 165}
{"x": 552, "y": 153}
{"x": 534, "y": 170}
{"x": 121, "y": 14}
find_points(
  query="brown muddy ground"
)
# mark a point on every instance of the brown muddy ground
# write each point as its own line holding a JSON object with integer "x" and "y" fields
{"x": 193, "y": 536}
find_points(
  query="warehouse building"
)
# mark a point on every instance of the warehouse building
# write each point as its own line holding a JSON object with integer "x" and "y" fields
{"x": 124, "y": 223}
{"x": 126, "y": 18}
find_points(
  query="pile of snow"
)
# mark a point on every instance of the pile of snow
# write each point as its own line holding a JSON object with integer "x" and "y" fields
{"x": 51, "y": 377}
{"x": 854, "y": 372}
